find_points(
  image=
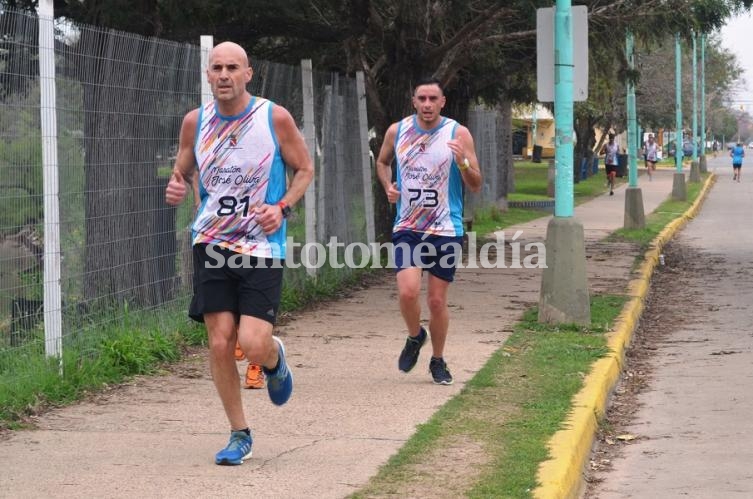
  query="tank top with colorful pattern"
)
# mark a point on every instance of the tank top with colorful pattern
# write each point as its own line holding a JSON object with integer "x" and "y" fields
{"x": 431, "y": 189}
{"x": 240, "y": 167}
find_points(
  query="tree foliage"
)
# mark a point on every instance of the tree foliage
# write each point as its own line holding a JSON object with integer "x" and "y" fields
{"x": 482, "y": 50}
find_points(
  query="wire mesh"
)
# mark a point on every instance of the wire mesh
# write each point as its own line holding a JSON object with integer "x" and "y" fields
{"x": 120, "y": 101}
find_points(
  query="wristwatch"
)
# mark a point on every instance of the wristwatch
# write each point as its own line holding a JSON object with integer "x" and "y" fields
{"x": 284, "y": 208}
{"x": 464, "y": 165}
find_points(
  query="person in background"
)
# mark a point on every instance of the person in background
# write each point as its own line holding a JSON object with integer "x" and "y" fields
{"x": 651, "y": 154}
{"x": 434, "y": 158}
{"x": 610, "y": 151}
{"x": 737, "y": 154}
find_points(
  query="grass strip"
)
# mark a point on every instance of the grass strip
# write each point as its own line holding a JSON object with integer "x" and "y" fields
{"x": 509, "y": 410}
{"x": 513, "y": 406}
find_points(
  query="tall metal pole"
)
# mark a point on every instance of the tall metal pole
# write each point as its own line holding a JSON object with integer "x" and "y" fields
{"x": 563, "y": 109}
{"x": 678, "y": 105}
{"x": 632, "y": 122}
{"x": 679, "y": 191}
{"x": 695, "y": 170}
{"x": 695, "y": 99}
{"x": 564, "y": 283}
{"x": 52, "y": 292}
{"x": 635, "y": 217}
{"x": 703, "y": 166}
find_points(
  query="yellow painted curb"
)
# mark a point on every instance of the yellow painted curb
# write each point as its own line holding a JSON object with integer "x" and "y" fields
{"x": 562, "y": 475}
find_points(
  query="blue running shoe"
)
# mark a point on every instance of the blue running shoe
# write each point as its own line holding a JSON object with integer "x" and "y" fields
{"x": 238, "y": 449}
{"x": 279, "y": 380}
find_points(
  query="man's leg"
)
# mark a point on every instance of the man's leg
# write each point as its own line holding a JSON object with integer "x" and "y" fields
{"x": 221, "y": 330}
{"x": 261, "y": 348}
{"x": 438, "y": 325}
{"x": 255, "y": 339}
{"x": 409, "y": 291}
{"x": 439, "y": 318}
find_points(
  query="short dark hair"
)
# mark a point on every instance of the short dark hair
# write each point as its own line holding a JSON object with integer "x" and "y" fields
{"x": 428, "y": 80}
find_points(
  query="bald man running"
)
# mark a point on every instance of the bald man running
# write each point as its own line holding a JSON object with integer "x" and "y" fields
{"x": 239, "y": 145}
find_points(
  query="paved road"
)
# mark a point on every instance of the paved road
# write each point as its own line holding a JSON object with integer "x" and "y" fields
{"x": 350, "y": 411}
{"x": 694, "y": 426}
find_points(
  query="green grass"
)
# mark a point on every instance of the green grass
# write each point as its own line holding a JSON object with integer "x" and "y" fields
{"x": 531, "y": 185}
{"x": 104, "y": 351}
{"x": 659, "y": 218}
{"x": 522, "y": 395}
{"x": 93, "y": 357}
{"x": 489, "y": 220}
{"x": 510, "y": 408}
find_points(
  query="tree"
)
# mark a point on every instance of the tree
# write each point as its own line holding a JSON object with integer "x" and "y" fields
{"x": 480, "y": 49}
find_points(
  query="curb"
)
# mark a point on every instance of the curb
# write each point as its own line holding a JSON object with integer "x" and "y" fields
{"x": 561, "y": 476}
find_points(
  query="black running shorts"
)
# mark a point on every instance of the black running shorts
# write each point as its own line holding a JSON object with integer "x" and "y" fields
{"x": 225, "y": 281}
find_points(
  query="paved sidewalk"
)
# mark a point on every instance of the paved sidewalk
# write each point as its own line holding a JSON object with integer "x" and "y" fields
{"x": 350, "y": 411}
{"x": 693, "y": 427}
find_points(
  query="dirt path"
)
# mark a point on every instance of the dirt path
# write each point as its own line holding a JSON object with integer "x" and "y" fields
{"x": 679, "y": 424}
{"x": 350, "y": 411}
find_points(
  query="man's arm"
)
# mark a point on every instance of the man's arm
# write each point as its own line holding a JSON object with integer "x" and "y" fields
{"x": 384, "y": 164}
{"x": 296, "y": 156}
{"x": 463, "y": 148}
{"x": 185, "y": 161}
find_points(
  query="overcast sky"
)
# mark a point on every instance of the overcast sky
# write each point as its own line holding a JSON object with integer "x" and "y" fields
{"x": 737, "y": 37}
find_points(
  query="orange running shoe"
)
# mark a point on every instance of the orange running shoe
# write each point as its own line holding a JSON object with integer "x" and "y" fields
{"x": 239, "y": 355}
{"x": 254, "y": 377}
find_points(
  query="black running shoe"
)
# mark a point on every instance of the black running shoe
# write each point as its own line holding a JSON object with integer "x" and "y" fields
{"x": 439, "y": 372}
{"x": 409, "y": 355}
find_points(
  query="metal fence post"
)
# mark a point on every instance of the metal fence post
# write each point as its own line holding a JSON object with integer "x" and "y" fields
{"x": 53, "y": 320}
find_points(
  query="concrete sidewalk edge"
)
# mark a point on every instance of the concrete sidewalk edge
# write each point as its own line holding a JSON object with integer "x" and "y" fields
{"x": 561, "y": 476}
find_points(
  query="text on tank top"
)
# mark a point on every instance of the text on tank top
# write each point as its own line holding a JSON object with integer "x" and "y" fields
{"x": 431, "y": 198}
{"x": 239, "y": 167}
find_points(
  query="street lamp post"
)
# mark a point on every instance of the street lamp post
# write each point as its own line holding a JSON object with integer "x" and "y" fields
{"x": 635, "y": 217}
{"x": 679, "y": 191}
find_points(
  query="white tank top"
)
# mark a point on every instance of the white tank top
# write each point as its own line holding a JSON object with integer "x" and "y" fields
{"x": 239, "y": 167}
{"x": 650, "y": 151}
{"x": 431, "y": 189}
{"x": 611, "y": 154}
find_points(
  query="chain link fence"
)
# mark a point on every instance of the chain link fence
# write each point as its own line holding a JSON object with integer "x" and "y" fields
{"x": 89, "y": 120}
{"x": 119, "y": 100}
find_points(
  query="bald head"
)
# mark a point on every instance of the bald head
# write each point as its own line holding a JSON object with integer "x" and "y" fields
{"x": 228, "y": 74}
{"x": 229, "y": 50}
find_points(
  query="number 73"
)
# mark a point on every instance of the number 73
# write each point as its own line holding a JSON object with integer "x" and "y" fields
{"x": 427, "y": 198}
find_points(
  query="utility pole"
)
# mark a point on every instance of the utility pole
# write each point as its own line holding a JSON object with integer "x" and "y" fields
{"x": 679, "y": 191}
{"x": 564, "y": 284}
{"x": 695, "y": 174}
{"x": 702, "y": 162}
{"x": 635, "y": 217}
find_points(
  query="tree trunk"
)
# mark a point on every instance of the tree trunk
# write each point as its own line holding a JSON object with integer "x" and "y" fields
{"x": 586, "y": 138}
{"x": 506, "y": 177}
